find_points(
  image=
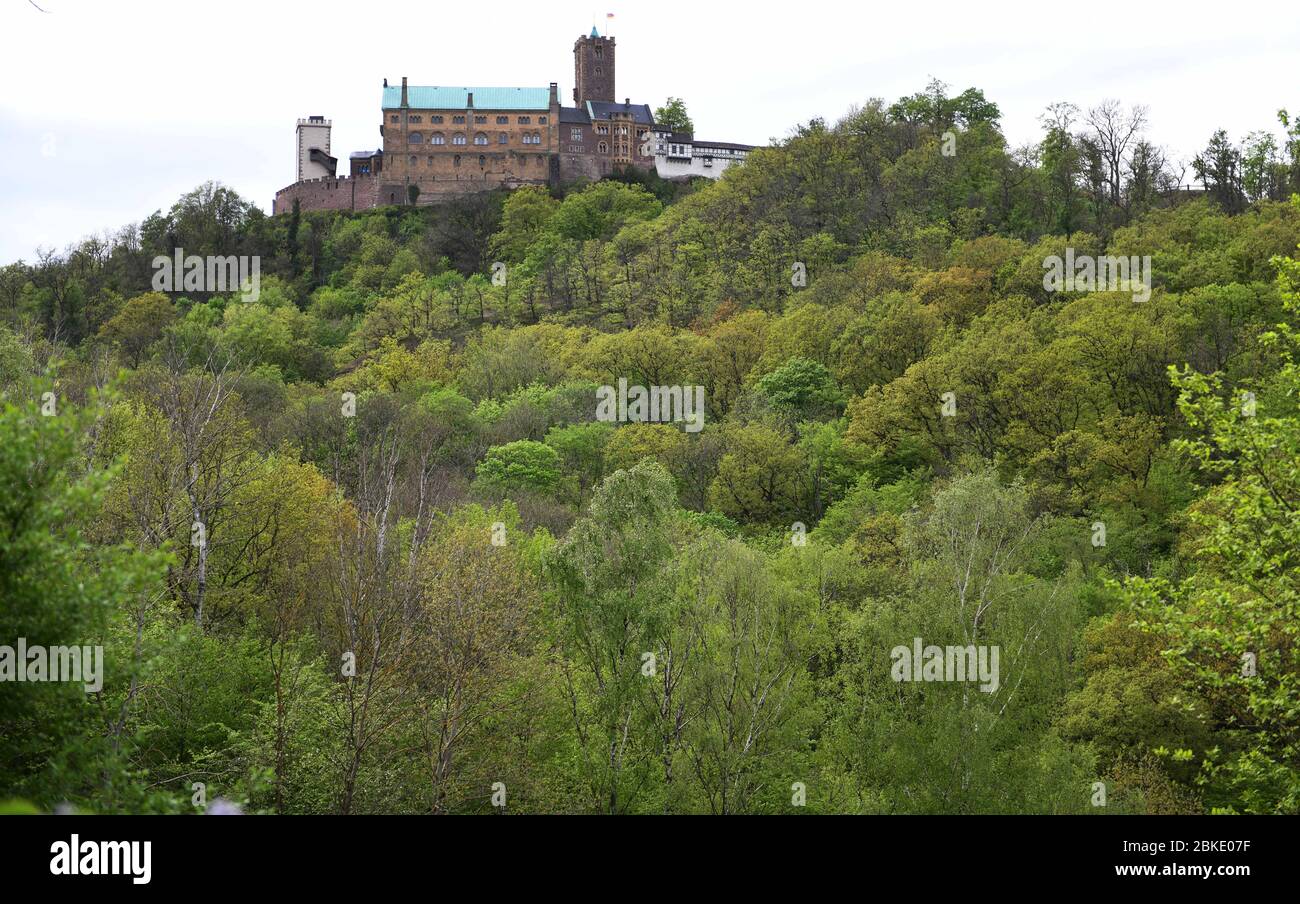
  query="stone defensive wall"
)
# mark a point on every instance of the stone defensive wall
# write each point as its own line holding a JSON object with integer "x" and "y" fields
{"x": 337, "y": 193}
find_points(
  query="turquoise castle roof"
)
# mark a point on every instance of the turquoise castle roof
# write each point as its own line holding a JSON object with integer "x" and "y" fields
{"x": 437, "y": 97}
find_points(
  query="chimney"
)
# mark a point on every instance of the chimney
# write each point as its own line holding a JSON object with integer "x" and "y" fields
{"x": 404, "y": 91}
{"x": 470, "y": 102}
{"x": 555, "y": 94}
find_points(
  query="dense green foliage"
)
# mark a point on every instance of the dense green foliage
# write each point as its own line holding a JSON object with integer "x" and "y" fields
{"x": 362, "y": 545}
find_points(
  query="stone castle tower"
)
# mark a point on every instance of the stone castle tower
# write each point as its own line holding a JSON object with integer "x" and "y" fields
{"x": 314, "y": 160}
{"x": 593, "y": 69}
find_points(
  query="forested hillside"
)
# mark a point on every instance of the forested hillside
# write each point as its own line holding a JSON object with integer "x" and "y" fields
{"x": 362, "y": 545}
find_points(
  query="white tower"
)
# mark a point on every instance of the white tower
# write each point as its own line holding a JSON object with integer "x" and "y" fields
{"x": 314, "y": 135}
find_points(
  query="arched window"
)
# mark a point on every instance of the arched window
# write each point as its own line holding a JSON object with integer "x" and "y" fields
{"x": 603, "y": 148}
{"x": 480, "y": 138}
{"x": 437, "y": 138}
{"x": 456, "y": 160}
{"x": 482, "y": 160}
{"x": 458, "y": 138}
{"x": 503, "y": 138}
{"x": 414, "y": 138}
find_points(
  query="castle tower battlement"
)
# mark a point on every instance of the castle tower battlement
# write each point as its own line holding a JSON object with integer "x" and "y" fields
{"x": 313, "y": 148}
{"x": 593, "y": 69}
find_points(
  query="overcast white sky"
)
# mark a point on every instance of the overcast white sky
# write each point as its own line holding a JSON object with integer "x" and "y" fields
{"x": 109, "y": 109}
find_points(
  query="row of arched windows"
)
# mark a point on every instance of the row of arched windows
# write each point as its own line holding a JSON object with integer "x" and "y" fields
{"x": 482, "y": 159}
{"x": 480, "y": 138}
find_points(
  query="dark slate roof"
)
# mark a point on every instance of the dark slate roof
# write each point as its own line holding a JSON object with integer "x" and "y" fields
{"x": 601, "y": 109}
{"x": 574, "y": 115}
{"x": 699, "y": 142}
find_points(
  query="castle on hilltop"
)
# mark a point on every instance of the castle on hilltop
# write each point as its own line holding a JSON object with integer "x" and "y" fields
{"x": 441, "y": 142}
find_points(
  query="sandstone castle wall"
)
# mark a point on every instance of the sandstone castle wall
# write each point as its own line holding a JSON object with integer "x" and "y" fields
{"x": 342, "y": 193}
